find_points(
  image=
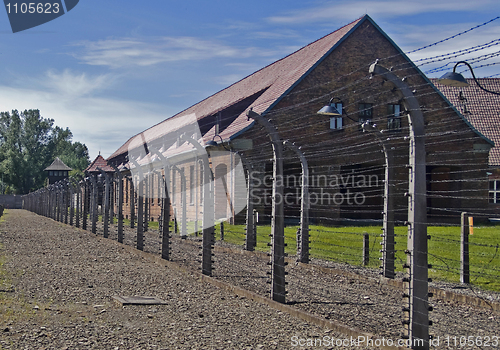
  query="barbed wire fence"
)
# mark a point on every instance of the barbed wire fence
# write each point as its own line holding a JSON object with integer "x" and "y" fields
{"x": 164, "y": 211}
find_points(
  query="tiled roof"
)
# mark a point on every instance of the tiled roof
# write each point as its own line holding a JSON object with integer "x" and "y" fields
{"x": 269, "y": 85}
{"x": 101, "y": 163}
{"x": 480, "y": 108}
{"x": 57, "y": 164}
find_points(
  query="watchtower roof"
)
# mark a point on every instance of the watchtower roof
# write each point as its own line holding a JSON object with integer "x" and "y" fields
{"x": 57, "y": 164}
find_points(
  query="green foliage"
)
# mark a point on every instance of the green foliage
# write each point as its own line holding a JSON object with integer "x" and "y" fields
{"x": 28, "y": 144}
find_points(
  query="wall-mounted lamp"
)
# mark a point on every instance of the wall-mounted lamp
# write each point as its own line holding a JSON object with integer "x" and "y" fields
{"x": 457, "y": 80}
{"x": 213, "y": 143}
{"x": 330, "y": 109}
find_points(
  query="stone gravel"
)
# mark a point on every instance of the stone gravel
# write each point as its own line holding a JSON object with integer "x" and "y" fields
{"x": 63, "y": 280}
{"x": 71, "y": 276}
{"x": 353, "y": 296}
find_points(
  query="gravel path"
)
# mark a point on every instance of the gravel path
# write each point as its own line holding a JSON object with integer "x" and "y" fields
{"x": 63, "y": 281}
{"x": 354, "y": 297}
{"x": 71, "y": 276}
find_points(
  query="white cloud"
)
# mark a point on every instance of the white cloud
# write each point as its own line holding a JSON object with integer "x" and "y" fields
{"x": 277, "y": 35}
{"x": 391, "y": 14}
{"x": 68, "y": 83}
{"x": 128, "y": 52}
{"x": 348, "y": 10}
{"x": 102, "y": 124}
{"x": 432, "y": 57}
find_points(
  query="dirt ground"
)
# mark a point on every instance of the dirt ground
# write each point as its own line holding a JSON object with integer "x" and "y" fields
{"x": 57, "y": 285}
{"x": 57, "y": 288}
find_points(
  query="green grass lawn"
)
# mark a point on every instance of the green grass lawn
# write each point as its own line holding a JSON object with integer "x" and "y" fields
{"x": 345, "y": 245}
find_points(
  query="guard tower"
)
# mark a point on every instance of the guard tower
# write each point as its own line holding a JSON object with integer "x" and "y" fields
{"x": 57, "y": 171}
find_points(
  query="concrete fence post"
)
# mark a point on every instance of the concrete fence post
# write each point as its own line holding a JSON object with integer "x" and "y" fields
{"x": 165, "y": 205}
{"x": 56, "y": 202}
{"x": 132, "y": 201}
{"x": 366, "y": 249}
{"x": 93, "y": 204}
{"x": 106, "y": 199}
{"x": 78, "y": 203}
{"x": 67, "y": 201}
{"x": 278, "y": 284}
{"x": 60, "y": 201}
{"x": 416, "y": 282}
{"x": 71, "y": 203}
{"x": 208, "y": 208}
{"x": 303, "y": 232}
{"x": 140, "y": 206}
{"x": 85, "y": 203}
{"x": 388, "y": 213}
{"x": 119, "y": 203}
{"x": 146, "y": 198}
{"x": 464, "y": 249}
{"x": 250, "y": 223}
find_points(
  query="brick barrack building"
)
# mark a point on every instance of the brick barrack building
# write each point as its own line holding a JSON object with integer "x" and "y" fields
{"x": 346, "y": 164}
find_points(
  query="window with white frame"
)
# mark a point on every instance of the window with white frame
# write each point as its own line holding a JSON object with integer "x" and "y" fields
{"x": 191, "y": 184}
{"x": 495, "y": 191}
{"x": 174, "y": 186}
{"x": 337, "y": 123}
{"x": 394, "y": 117}
{"x": 202, "y": 180}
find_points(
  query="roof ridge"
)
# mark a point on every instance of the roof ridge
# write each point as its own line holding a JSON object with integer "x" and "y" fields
{"x": 257, "y": 71}
{"x": 278, "y": 73}
{"x": 104, "y": 167}
{"x": 57, "y": 164}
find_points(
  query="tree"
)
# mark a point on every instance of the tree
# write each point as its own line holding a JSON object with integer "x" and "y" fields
{"x": 28, "y": 144}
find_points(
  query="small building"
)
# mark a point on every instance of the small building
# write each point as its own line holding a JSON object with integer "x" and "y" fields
{"x": 94, "y": 169}
{"x": 101, "y": 163}
{"x": 57, "y": 171}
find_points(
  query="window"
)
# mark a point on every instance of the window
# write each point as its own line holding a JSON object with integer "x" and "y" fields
{"x": 151, "y": 189}
{"x": 51, "y": 173}
{"x": 336, "y": 123}
{"x": 495, "y": 191}
{"x": 202, "y": 181}
{"x": 160, "y": 187}
{"x": 191, "y": 184}
{"x": 174, "y": 186}
{"x": 394, "y": 117}
{"x": 365, "y": 113}
{"x": 126, "y": 190}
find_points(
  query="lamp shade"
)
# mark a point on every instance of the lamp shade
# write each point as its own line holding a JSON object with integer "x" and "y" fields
{"x": 211, "y": 143}
{"x": 453, "y": 79}
{"x": 329, "y": 110}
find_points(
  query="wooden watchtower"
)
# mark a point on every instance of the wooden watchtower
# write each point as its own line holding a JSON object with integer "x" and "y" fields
{"x": 57, "y": 171}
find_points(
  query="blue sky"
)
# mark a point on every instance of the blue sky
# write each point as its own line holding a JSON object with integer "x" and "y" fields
{"x": 110, "y": 69}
